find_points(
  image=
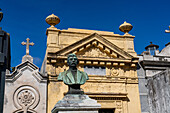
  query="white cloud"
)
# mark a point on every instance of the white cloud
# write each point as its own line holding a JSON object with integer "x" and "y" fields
{"x": 37, "y": 61}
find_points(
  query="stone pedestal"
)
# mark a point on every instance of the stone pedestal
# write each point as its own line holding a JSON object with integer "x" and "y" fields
{"x": 27, "y": 58}
{"x": 76, "y": 103}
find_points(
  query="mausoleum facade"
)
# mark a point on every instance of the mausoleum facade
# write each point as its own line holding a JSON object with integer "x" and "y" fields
{"x": 25, "y": 88}
{"x": 109, "y": 59}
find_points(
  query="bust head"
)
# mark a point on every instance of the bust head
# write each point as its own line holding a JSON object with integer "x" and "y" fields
{"x": 73, "y": 77}
{"x": 72, "y": 60}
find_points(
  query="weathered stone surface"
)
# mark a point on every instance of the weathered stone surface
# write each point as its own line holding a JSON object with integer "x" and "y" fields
{"x": 159, "y": 92}
{"x": 25, "y": 90}
{"x": 151, "y": 66}
{"x": 165, "y": 51}
{"x": 76, "y": 104}
{"x": 142, "y": 88}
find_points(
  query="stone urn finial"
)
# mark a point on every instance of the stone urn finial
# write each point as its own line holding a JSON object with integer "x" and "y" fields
{"x": 52, "y": 20}
{"x": 125, "y": 27}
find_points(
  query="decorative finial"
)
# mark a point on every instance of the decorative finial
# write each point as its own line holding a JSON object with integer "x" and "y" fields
{"x": 52, "y": 20}
{"x": 125, "y": 27}
{"x": 167, "y": 31}
{"x": 27, "y": 45}
{"x": 151, "y": 42}
{"x": 1, "y": 15}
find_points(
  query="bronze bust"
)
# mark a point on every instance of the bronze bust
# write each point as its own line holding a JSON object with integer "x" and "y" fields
{"x": 73, "y": 77}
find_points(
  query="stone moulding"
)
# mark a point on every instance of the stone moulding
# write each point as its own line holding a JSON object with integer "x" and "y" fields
{"x": 114, "y": 100}
{"x": 21, "y": 111}
{"x": 24, "y": 66}
{"x": 102, "y": 94}
{"x": 105, "y": 79}
{"x": 95, "y": 40}
{"x": 87, "y": 32}
{"x": 53, "y": 59}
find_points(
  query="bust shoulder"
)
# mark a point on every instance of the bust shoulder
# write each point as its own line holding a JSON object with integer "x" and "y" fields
{"x": 60, "y": 76}
{"x": 85, "y": 74}
{"x": 62, "y": 73}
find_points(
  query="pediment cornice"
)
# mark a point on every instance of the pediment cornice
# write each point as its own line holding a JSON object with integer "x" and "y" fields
{"x": 94, "y": 48}
{"x": 34, "y": 71}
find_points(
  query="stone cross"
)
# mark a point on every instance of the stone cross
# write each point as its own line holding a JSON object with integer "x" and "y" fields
{"x": 27, "y": 45}
{"x": 167, "y": 31}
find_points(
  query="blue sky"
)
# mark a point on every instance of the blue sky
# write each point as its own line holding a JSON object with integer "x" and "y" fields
{"x": 26, "y": 19}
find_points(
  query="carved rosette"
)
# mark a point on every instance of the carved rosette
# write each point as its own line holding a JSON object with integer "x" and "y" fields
{"x": 114, "y": 72}
{"x": 26, "y": 98}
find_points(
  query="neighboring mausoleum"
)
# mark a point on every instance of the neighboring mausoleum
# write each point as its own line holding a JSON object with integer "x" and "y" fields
{"x": 153, "y": 74}
{"x": 26, "y": 87}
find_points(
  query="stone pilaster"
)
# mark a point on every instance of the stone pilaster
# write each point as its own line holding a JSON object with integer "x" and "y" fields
{"x": 52, "y": 39}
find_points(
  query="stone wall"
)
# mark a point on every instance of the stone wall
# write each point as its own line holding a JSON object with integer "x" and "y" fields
{"x": 159, "y": 92}
{"x": 142, "y": 89}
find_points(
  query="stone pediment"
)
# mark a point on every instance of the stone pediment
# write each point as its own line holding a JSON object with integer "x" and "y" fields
{"x": 93, "y": 46}
{"x": 19, "y": 70}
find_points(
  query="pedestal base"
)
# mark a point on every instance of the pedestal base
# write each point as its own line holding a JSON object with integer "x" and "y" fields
{"x": 76, "y": 103}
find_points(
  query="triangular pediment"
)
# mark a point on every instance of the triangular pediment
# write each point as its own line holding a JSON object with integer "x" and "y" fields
{"x": 94, "y": 46}
{"x": 32, "y": 69}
